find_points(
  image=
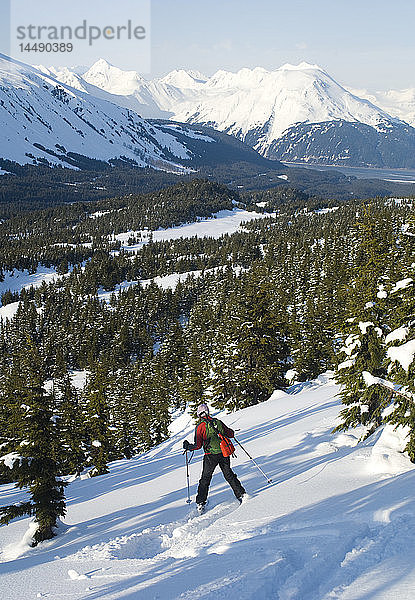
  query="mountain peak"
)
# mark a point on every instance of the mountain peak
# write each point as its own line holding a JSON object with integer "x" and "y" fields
{"x": 112, "y": 79}
{"x": 183, "y": 78}
{"x": 101, "y": 63}
{"x": 302, "y": 66}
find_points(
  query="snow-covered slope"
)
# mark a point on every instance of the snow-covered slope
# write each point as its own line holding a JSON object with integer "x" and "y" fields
{"x": 265, "y": 109}
{"x": 155, "y": 98}
{"x": 337, "y": 522}
{"x": 398, "y": 103}
{"x": 264, "y": 104}
{"x": 183, "y": 79}
{"x": 44, "y": 120}
{"x": 139, "y": 100}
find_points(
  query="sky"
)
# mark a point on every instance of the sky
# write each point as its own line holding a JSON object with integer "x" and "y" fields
{"x": 361, "y": 43}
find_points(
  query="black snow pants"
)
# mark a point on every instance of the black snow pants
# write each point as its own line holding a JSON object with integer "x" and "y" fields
{"x": 210, "y": 462}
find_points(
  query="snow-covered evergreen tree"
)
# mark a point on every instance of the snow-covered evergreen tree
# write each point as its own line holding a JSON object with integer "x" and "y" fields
{"x": 400, "y": 361}
{"x": 32, "y": 463}
{"x": 250, "y": 349}
{"x": 98, "y": 415}
{"x": 364, "y": 330}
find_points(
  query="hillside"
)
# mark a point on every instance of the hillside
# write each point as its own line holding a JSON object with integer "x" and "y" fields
{"x": 335, "y": 523}
{"x": 293, "y": 113}
{"x": 125, "y": 311}
{"x": 47, "y": 122}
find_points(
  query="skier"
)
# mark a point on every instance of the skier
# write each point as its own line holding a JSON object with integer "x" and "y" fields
{"x": 206, "y": 435}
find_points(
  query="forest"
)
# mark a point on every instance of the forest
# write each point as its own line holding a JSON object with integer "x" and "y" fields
{"x": 311, "y": 285}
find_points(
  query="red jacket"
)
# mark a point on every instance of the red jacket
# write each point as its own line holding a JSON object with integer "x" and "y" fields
{"x": 200, "y": 435}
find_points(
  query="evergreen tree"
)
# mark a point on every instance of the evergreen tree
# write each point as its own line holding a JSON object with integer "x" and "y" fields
{"x": 169, "y": 365}
{"x": 32, "y": 463}
{"x": 71, "y": 435}
{"x": 250, "y": 352}
{"x": 364, "y": 329}
{"x": 400, "y": 360}
{"x": 99, "y": 419}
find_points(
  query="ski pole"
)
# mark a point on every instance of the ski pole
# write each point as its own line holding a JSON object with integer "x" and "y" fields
{"x": 188, "y": 501}
{"x": 253, "y": 460}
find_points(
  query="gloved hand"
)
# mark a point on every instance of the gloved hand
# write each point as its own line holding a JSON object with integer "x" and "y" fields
{"x": 186, "y": 445}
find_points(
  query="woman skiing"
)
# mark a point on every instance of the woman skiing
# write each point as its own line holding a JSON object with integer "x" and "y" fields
{"x": 207, "y": 434}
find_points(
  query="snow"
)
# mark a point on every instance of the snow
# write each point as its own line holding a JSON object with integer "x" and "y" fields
{"x": 112, "y": 79}
{"x": 363, "y": 326}
{"x": 223, "y": 222}
{"x": 291, "y": 374}
{"x": 13, "y": 551}
{"x": 346, "y": 364}
{"x": 324, "y": 211}
{"x": 350, "y": 344}
{"x": 384, "y": 462}
{"x": 370, "y": 379}
{"x": 16, "y": 281}
{"x": 399, "y": 103}
{"x": 397, "y": 335}
{"x": 403, "y": 354}
{"x": 99, "y": 213}
{"x": 165, "y": 282}
{"x": 7, "y": 312}
{"x": 401, "y": 285}
{"x": 170, "y": 282}
{"x": 238, "y": 103}
{"x": 337, "y": 523}
{"x": 9, "y": 459}
{"x": 78, "y": 379}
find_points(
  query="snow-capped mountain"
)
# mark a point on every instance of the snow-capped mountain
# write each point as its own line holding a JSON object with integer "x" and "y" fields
{"x": 186, "y": 80}
{"x": 112, "y": 79}
{"x": 157, "y": 98}
{"x": 45, "y": 121}
{"x": 398, "y": 103}
{"x": 270, "y": 110}
{"x": 108, "y": 87}
{"x": 257, "y": 100}
{"x": 259, "y": 106}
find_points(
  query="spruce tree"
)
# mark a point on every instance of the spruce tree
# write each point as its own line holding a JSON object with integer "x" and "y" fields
{"x": 400, "y": 359}
{"x": 363, "y": 331}
{"x": 99, "y": 419}
{"x": 33, "y": 465}
{"x": 71, "y": 450}
{"x": 250, "y": 353}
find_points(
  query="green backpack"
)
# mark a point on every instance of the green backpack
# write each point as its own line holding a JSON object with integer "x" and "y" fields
{"x": 212, "y": 444}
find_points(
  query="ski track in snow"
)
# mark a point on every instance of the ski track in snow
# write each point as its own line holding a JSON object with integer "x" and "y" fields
{"x": 332, "y": 526}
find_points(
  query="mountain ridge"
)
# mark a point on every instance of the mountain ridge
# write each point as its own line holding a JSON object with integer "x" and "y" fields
{"x": 46, "y": 121}
{"x": 263, "y": 108}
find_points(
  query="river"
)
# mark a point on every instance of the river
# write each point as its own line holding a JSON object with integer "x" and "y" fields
{"x": 396, "y": 175}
